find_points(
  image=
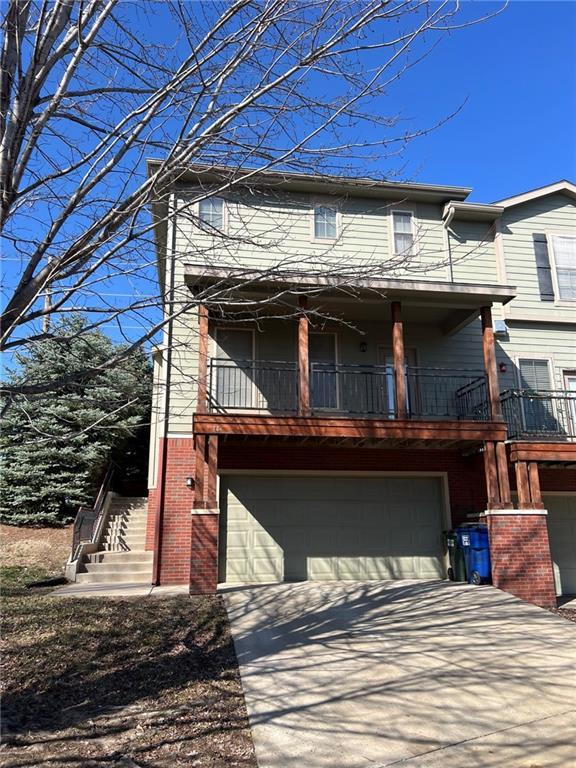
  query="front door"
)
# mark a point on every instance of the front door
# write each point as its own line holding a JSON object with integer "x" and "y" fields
{"x": 323, "y": 371}
{"x": 386, "y": 358}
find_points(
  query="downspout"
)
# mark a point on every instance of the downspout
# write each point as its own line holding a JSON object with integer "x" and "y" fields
{"x": 162, "y": 462}
{"x": 447, "y": 222}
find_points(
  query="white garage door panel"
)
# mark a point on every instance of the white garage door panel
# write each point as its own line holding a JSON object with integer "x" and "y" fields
{"x": 562, "y": 533}
{"x": 331, "y": 528}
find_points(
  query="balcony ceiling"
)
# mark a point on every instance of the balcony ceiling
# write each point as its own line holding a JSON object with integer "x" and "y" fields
{"x": 448, "y": 306}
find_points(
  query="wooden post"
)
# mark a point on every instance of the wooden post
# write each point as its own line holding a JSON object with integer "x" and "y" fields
{"x": 398, "y": 357}
{"x": 212, "y": 499}
{"x": 523, "y": 485}
{"x": 199, "y": 471}
{"x": 503, "y": 476}
{"x": 489, "y": 350}
{"x": 303, "y": 361}
{"x": 534, "y": 479}
{"x": 491, "y": 473}
{"x": 201, "y": 405}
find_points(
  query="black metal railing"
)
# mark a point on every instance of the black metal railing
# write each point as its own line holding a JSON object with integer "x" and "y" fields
{"x": 545, "y": 414}
{"x": 252, "y": 385}
{"x": 87, "y": 520}
{"x": 341, "y": 389}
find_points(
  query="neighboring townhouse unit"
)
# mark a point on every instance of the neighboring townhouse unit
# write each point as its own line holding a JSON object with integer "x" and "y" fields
{"x": 365, "y": 366}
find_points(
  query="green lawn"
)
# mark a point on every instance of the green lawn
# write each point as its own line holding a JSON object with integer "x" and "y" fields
{"x": 122, "y": 682}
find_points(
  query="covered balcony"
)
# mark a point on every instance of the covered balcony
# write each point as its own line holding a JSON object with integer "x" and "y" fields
{"x": 378, "y": 363}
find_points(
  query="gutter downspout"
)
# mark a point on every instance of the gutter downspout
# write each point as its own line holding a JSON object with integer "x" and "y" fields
{"x": 447, "y": 222}
{"x": 162, "y": 464}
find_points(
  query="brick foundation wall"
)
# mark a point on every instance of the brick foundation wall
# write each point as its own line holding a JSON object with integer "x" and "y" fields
{"x": 188, "y": 539}
{"x": 177, "y": 524}
{"x": 204, "y": 554}
{"x": 520, "y": 554}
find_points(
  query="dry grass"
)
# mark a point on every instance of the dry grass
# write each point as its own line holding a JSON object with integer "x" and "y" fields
{"x": 46, "y": 548}
{"x": 126, "y": 683}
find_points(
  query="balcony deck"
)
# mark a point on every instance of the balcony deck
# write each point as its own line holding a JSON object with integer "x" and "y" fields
{"x": 541, "y": 425}
{"x": 446, "y": 407}
{"x": 393, "y": 433}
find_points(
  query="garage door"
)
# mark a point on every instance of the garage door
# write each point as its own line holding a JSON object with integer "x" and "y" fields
{"x": 562, "y": 532}
{"x": 326, "y": 528}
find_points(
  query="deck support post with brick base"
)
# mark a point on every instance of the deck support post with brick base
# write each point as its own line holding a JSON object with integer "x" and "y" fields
{"x": 496, "y": 473}
{"x": 398, "y": 357}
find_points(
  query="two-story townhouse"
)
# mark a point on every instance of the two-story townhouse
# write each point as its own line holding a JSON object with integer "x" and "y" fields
{"x": 353, "y": 367}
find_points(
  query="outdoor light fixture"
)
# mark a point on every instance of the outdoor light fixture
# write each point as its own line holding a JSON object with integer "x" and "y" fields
{"x": 503, "y": 367}
{"x": 363, "y": 346}
{"x": 190, "y": 482}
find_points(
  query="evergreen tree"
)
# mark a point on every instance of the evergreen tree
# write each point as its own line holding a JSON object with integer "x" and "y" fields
{"x": 55, "y": 447}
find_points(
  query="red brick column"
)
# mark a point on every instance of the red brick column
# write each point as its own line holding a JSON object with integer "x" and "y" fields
{"x": 520, "y": 554}
{"x": 189, "y": 538}
{"x": 204, "y": 552}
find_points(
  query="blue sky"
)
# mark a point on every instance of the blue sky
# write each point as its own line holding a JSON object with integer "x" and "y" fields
{"x": 518, "y": 128}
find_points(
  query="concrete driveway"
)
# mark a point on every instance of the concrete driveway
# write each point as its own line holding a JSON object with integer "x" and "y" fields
{"x": 403, "y": 673}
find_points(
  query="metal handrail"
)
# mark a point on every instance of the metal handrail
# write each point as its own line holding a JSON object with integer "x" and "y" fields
{"x": 89, "y": 520}
{"x": 541, "y": 413}
{"x": 346, "y": 388}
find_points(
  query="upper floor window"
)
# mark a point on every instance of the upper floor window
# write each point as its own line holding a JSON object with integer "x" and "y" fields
{"x": 325, "y": 222}
{"x": 403, "y": 232}
{"x": 564, "y": 249}
{"x": 211, "y": 212}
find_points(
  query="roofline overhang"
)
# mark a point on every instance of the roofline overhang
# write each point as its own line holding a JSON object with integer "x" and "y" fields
{"x": 476, "y": 294}
{"x": 315, "y": 183}
{"x": 563, "y": 186}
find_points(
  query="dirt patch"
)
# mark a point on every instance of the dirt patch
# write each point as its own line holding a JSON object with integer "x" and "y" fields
{"x": 126, "y": 683}
{"x": 46, "y": 548}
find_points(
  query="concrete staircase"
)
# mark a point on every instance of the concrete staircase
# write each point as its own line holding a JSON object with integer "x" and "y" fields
{"x": 121, "y": 558}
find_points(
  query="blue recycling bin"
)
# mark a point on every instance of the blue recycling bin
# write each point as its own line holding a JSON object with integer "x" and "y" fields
{"x": 474, "y": 541}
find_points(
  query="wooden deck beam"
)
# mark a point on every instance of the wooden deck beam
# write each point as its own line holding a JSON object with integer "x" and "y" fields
{"x": 543, "y": 452}
{"x": 256, "y": 425}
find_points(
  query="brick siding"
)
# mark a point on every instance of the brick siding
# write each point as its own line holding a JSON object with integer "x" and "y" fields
{"x": 519, "y": 544}
{"x": 520, "y": 553}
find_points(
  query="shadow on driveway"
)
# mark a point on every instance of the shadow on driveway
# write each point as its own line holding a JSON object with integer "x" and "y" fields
{"x": 404, "y": 673}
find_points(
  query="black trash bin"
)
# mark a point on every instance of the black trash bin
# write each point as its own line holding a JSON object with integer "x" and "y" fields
{"x": 457, "y": 567}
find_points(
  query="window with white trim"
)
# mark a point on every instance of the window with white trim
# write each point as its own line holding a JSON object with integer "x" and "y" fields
{"x": 211, "y": 212}
{"x": 565, "y": 265}
{"x": 325, "y": 222}
{"x": 403, "y": 232}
